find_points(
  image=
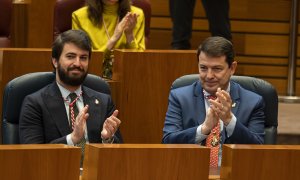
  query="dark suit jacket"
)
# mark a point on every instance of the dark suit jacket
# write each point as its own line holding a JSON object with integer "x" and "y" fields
{"x": 186, "y": 111}
{"x": 43, "y": 117}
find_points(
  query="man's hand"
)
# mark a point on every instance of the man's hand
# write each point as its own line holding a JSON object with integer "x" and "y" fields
{"x": 80, "y": 125}
{"x": 110, "y": 126}
{"x": 211, "y": 120}
{"x": 222, "y": 106}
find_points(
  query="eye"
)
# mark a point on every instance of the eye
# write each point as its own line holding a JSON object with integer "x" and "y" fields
{"x": 203, "y": 68}
{"x": 70, "y": 56}
{"x": 84, "y": 58}
{"x": 217, "y": 69}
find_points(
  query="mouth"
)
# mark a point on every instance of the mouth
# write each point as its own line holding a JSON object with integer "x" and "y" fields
{"x": 75, "y": 71}
{"x": 211, "y": 83}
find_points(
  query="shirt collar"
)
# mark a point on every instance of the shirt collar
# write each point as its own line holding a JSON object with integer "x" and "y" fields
{"x": 65, "y": 93}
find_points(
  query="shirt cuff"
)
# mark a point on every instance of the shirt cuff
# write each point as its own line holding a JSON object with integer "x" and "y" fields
{"x": 69, "y": 140}
{"x": 230, "y": 127}
{"x": 199, "y": 136}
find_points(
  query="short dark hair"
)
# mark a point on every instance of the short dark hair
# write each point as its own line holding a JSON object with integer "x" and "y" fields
{"x": 76, "y": 37}
{"x": 216, "y": 47}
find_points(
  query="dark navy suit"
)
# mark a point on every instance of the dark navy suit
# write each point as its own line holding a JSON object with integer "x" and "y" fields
{"x": 186, "y": 111}
{"x": 43, "y": 117}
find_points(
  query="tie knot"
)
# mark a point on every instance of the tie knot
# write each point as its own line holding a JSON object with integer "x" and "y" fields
{"x": 72, "y": 96}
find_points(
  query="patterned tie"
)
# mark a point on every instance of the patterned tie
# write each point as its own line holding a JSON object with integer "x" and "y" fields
{"x": 73, "y": 112}
{"x": 213, "y": 141}
{"x": 73, "y": 109}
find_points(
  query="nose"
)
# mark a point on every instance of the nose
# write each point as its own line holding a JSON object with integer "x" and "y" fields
{"x": 77, "y": 61}
{"x": 210, "y": 73}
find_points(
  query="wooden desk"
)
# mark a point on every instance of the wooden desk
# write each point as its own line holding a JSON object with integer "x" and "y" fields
{"x": 260, "y": 162}
{"x": 214, "y": 173}
{"x": 36, "y": 162}
{"x": 145, "y": 161}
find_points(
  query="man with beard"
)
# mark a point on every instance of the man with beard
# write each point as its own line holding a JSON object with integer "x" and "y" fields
{"x": 48, "y": 115}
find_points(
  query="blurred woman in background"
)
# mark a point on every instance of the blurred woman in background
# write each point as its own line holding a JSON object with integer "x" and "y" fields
{"x": 111, "y": 24}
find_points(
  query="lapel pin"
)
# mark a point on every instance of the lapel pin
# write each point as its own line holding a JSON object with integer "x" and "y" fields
{"x": 96, "y": 101}
{"x": 233, "y": 104}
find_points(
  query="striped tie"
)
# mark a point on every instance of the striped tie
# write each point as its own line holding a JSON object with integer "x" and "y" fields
{"x": 213, "y": 140}
{"x": 72, "y": 115}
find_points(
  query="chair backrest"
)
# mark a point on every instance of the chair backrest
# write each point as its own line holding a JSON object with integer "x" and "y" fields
{"x": 63, "y": 10}
{"x": 259, "y": 86}
{"x": 5, "y": 21}
{"x": 16, "y": 90}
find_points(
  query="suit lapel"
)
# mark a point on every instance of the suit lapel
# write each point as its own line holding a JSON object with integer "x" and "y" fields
{"x": 95, "y": 111}
{"x": 56, "y": 107}
{"x": 199, "y": 97}
{"x": 235, "y": 97}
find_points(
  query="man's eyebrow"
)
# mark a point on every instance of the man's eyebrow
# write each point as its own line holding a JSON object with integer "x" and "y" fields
{"x": 216, "y": 66}
{"x": 70, "y": 53}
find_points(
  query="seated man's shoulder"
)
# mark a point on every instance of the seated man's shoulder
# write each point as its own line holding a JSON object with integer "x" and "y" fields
{"x": 41, "y": 91}
{"x": 186, "y": 89}
{"x": 245, "y": 93}
{"x": 96, "y": 93}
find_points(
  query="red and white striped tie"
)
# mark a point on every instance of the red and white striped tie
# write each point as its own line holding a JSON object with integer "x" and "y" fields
{"x": 213, "y": 141}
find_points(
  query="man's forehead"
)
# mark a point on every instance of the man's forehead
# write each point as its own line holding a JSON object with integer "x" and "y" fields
{"x": 203, "y": 57}
{"x": 70, "y": 48}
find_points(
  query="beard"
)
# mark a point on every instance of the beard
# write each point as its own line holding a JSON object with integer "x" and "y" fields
{"x": 68, "y": 78}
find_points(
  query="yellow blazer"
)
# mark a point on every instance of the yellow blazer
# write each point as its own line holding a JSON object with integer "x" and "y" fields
{"x": 98, "y": 34}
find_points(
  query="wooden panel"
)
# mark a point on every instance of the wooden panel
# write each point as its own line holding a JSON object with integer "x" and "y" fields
{"x": 271, "y": 10}
{"x": 236, "y": 25}
{"x": 260, "y": 162}
{"x": 145, "y": 80}
{"x": 264, "y": 71}
{"x": 268, "y": 45}
{"x": 33, "y": 23}
{"x": 262, "y": 60}
{"x": 145, "y": 161}
{"x": 40, "y": 23}
{"x": 36, "y": 162}
{"x": 245, "y": 44}
{"x": 19, "y": 24}
{"x": 161, "y": 39}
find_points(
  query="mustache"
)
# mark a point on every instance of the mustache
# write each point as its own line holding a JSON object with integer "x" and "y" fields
{"x": 75, "y": 68}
